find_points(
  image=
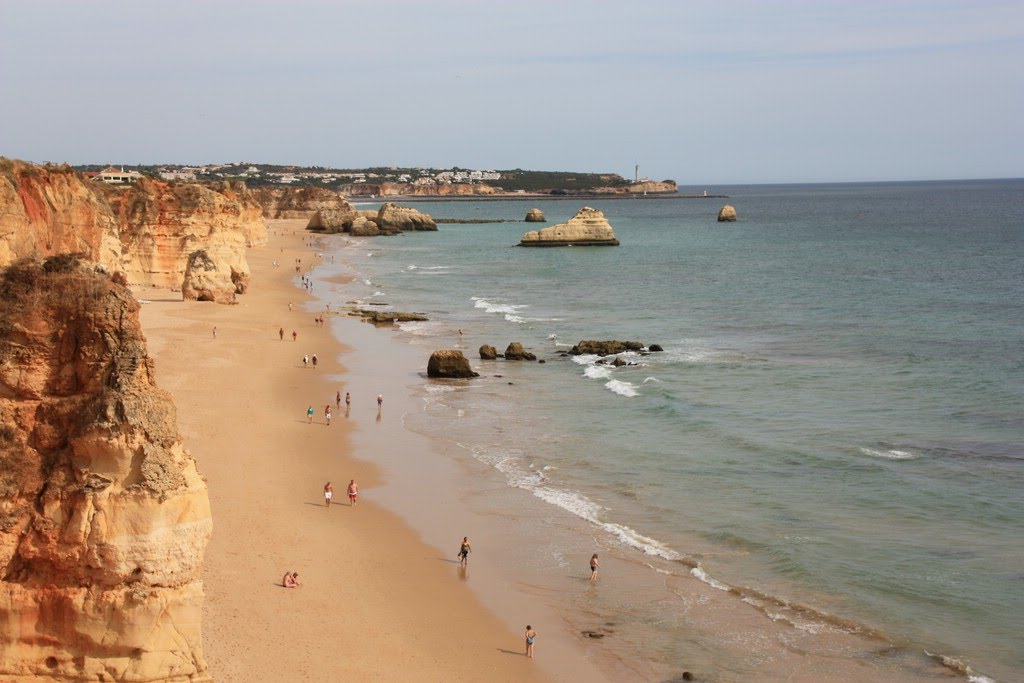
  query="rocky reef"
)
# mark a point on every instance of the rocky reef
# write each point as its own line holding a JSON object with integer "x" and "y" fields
{"x": 587, "y": 227}
{"x": 449, "y": 363}
{"x": 104, "y": 518}
{"x": 145, "y": 231}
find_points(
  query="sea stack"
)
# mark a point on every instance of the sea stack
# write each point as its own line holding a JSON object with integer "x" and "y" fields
{"x": 727, "y": 214}
{"x": 587, "y": 228}
{"x": 535, "y": 216}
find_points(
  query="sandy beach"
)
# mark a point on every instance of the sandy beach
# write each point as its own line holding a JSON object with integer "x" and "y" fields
{"x": 376, "y": 602}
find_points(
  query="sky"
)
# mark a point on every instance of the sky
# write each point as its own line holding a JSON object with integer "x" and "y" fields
{"x": 704, "y": 93}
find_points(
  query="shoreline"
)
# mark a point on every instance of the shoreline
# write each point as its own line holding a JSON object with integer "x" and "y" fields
{"x": 376, "y": 601}
{"x": 523, "y": 197}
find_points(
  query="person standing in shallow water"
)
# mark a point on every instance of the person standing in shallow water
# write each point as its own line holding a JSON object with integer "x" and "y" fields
{"x": 594, "y": 564}
{"x": 531, "y": 636}
{"x": 464, "y": 550}
{"x": 380, "y": 401}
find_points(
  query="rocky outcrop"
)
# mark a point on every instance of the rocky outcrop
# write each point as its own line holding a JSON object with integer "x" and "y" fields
{"x": 206, "y": 279}
{"x": 727, "y": 214}
{"x": 605, "y": 348}
{"x": 587, "y": 227}
{"x": 449, "y": 363}
{"x": 515, "y": 351}
{"x": 394, "y": 218}
{"x": 103, "y": 517}
{"x": 535, "y": 216}
{"x": 297, "y": 202}
{"x": 332, "y": 220}
{"x": 145, "y": 231}
{"x": 387, "y": 317}
{"x": 163, "y": 224}
{"x": 488, "y": 352}
{"x": 364, "y": 227}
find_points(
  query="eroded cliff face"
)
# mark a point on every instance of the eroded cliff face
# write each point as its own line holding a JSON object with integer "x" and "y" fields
{"x": 104, "y": 518}
{"x": 299, "y": 202}
{"x": 146, "y": 231}
{"x": 162, "y": 224}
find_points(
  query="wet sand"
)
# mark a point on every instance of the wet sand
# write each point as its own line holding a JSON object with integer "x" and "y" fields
{"x": 377, "y": 603}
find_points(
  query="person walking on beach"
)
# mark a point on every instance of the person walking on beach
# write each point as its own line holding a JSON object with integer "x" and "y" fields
{"x": 380, "y": 401}
{"x": 594, "y": 564}
{"x": 309, "y": 414}
{"x": 348, "y": 400}
{"x": 328, "y": 494}
{"x": 353, "y": 492}
{"x": 295, "y": 335}
{"x": 314, "y": 361}
{"x": 531, "y": 636}
{"x": 337, "y": 399}
{"x": 464, "y": 551}
{"x": 280, "y": 333}
{"x": 327, "y": 414}
{"x": 305, "y": 360}
{"x": 214, "y": 331}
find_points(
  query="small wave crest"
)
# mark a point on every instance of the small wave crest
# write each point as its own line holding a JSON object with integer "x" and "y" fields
{"x": 889, "y": 453}
{"x": 617, "y": 386}
{"x": 509, "y": 311}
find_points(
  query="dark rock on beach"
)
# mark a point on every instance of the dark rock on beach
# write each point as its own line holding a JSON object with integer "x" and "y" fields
{"x": 488, "y": 352}
{"x": 449, "y": 363}
{"x": 655, "y": 347}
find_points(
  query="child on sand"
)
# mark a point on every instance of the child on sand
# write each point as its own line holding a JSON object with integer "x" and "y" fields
{"x": 291, "y": 580}
{"x": 594, "y": 564}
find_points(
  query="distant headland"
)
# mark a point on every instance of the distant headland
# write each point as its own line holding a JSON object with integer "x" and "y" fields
{"x": 422, "y": 184}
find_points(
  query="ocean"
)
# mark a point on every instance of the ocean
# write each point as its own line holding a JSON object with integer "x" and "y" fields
{"x": 825, "y": 463}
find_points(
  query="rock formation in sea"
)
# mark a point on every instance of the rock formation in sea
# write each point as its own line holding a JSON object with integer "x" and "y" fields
{"x": 727, "y": 214}
{"x": 515, "y": 351}
{"x": 449, "y": 363}
{"x": 488, "y": 352}
{"x": 604, "y": 348}
{"x": 392, "y": 218}
{"x": 145, "y": 231}
{"x": 587, "y": 227}
{"x": 535, "y": 216}
{"x": 104, "y": 518}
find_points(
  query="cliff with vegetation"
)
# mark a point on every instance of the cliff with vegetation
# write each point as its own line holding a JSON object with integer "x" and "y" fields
{"x": 146, "y": 231}
{"x": 104, "y": 519}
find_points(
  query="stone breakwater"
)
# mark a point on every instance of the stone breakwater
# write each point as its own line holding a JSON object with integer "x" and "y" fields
{"x": 104, "y": 518}
{"x": 146, "y": 231}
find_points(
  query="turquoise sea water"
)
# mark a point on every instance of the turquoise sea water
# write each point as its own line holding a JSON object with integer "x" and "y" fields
{"x": 836, "y": 422}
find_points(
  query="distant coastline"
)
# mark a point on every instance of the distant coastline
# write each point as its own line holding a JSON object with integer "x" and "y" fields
{"x": 529, "y": 197}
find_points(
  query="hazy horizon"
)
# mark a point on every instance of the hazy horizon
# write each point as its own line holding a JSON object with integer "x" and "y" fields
{"x": 704, "y": 94}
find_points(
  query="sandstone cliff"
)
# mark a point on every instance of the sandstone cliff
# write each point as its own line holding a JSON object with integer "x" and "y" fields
{"x": 298, "y": 202}
{"x": 145, "y": 231}
{"x": 103, "y": 517}
{"x": 587, "y": 227}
